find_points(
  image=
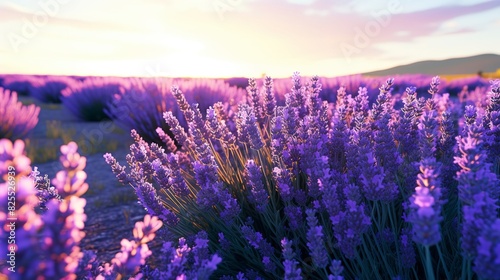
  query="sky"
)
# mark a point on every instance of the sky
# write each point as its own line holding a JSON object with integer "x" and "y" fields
{"x": 238, "y": 38}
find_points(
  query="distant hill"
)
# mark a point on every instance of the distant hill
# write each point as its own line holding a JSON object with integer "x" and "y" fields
{"x": 452, "y": 66}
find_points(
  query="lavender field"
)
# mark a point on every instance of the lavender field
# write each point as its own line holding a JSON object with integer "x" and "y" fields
{"x": 352, "y": 177}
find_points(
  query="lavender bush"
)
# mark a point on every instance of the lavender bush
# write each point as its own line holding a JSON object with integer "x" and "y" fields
{"x": 16, "y": 120}
{"x": 358, "y": 188}
{"x": 141, "y": 106}
{"x": 88, "y": 100}
{"x": 22, "y": 84}
{"x": 316, "y": 190}
{"x": 49, "y": 91}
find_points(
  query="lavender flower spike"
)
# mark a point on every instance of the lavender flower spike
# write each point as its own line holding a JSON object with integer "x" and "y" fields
{"x": 426, "y": 204}
{"x": 71, "y": 180}
{"x": 487, "y": 263}
{"x": 315, "y": 242}
{"x": 292, "y": 272}
{"x": 134, "y": 252}
{"x": 258, "y": 194}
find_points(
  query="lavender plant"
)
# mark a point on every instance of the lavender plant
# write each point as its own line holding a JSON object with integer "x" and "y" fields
{"x": 16, "y": 120}
{"x": 49, "y": 90}
{"x": 88, "y": 100}
{"x": 368, "y": 181}
{"x": 22, "y": 84}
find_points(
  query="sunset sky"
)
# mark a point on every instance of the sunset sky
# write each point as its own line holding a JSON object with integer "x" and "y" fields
{"x": 225, "y": 38}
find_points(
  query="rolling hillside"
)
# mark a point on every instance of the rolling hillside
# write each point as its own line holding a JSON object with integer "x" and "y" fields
{"x": 454, "y": 66}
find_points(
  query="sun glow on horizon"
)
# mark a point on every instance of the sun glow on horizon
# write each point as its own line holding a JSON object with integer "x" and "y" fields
{"x": 247, "y": 39}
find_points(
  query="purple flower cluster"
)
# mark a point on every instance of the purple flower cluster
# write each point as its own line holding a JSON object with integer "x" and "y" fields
{"x": 134, "y": 252}
{"x": 292, "y": 271}
{"x": 45, "y": 191}
{"x": 12, "y": 155}
{"x": 47, "y": 244}
{"x": 315, "y": 241}
{"x": 475, "y": 175}
{"x": 258, "y": 194}
{"x": 16, "y": 120}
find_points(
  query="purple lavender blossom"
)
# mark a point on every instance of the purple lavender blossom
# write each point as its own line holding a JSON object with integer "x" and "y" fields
{"x": 175, "y": 180}
{"x": 494, "y": 99}
{"x": 487, "y": 262}
{"x": 134, "y": 252}
{"x": 407, "y": 251}
{"x": 406, "y": 131}
{"x": 258, "y": 194}
{"x": 213, "y": 124}
{"x": 73, "y": 172}
{"x": 178, "y": 131}
{"x": 167, "y": 140}
{"x": 296, "y": 98}
{"x": 149, "y": 199}
{"x": 12, "y": 154}
{"x": 283, "y": 183}
{"x": 475, "y": 175}
{"x": 348, "y": 226}
{"x": 478, "y": 217}
{"x": 360, "y": 105}
{"x": 292, "y": 271}
{"x": 315, "y": 241}
{"x": 295, "y": 217}
{"x": 218, "y": 129}
{"x": 339, "y": 138}
{"x": 59, "y": 229}
{"x": 427, "y": 131}
{"x": 248, "y": 129}
{"x": 16, "y": 119}
{"x": 255, "y": 101}
{"x": 426, "y": 205}
{"x": 61, "y": 234}
{"x": 371, "y": 174}
{"x": 336, "y": 269}
{"x": 45, "y": 192}
{"x": 434, "y": 88}
{"x": 117, "y": 169}
{"x": 269, "y": 99}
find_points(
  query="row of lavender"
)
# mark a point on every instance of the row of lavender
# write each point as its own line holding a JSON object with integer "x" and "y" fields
{"x": 49, "y": 88}
{"x": 139, "y": 103}
{"x": 384, "y": 192}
